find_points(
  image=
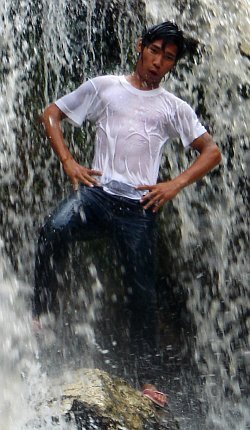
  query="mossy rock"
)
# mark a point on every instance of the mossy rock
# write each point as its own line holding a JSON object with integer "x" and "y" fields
{"x": 96, "y": 400}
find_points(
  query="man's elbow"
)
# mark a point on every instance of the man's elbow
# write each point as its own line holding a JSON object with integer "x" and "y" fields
{"x": 50, "y": 115}
{"x": 216, "y": 154}
{"x": 43, "y": 117}
{"x": 208, "y": 149}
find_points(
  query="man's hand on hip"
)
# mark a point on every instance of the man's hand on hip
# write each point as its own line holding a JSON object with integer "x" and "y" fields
{"x": 159, "y": 194}
{"x": 78, "y": 173}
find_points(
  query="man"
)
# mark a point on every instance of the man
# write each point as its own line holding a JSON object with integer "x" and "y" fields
{"x": 119, "y": 197}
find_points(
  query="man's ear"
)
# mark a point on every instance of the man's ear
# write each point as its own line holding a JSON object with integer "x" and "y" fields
{"x": 139, "y": 45}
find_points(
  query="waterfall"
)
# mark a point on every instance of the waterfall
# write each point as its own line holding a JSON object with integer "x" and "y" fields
{"x": 47, "y": 49}
{"x": 214, "y": 249}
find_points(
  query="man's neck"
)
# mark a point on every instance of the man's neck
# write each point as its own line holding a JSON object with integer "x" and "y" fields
{"x": 136, "y": 81}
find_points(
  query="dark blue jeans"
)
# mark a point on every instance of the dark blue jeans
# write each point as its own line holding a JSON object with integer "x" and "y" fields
{"x": 93, "y": 213}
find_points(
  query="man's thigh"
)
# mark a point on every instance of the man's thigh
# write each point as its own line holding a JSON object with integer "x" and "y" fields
{"x": 78, "y": 217}
{"x": 135, "y": 238}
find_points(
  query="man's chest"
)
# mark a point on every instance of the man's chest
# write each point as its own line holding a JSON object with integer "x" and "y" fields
{"x": 132, "y": 110}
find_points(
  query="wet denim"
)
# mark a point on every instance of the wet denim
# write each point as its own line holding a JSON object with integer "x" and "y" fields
{"x": 93, "y": 213}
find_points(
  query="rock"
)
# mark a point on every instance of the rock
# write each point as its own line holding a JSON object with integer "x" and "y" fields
{"x": 245, "y": 49}
{"x": 96, "y": 400}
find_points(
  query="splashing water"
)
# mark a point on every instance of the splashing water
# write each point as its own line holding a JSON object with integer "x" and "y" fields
{"x": 47, "y": 48}
{"x": 214, "y": 267}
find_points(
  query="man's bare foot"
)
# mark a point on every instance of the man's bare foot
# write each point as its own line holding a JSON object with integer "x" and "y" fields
{"x": 157, "y": 397}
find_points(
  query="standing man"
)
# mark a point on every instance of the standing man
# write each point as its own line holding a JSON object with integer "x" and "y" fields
{"x": 119, "y": 197}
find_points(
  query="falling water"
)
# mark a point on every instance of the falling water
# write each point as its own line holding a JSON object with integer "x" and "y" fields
{"x": 214, "y": 263}
{"x": 47, "y": 48}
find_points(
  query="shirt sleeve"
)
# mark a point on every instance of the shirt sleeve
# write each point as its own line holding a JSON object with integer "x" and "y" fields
{"x": 187, "y": 124}
{"x": 79, "y": 105}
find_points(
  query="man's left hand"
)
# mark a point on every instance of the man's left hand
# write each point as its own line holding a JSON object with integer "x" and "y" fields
{"x": 159, "y": 194}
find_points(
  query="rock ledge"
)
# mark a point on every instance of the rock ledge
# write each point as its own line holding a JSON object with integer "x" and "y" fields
{"x": 96, "y": 400}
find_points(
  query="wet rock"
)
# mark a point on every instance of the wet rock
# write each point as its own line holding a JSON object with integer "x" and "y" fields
{"x": 96, "y": 400}
{"x": 245, "y": 49}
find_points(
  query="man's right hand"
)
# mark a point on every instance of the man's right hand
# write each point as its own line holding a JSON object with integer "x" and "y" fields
{"x": 51, "y": 119}
{"x": 78, "y": 173}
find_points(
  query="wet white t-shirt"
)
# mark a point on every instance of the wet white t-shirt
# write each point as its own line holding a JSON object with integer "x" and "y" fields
{"x": 132, "y": 127}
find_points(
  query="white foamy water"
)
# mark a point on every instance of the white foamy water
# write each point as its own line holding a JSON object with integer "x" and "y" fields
{"x": 42, "y": 57}
{"x": 214, "y": 221}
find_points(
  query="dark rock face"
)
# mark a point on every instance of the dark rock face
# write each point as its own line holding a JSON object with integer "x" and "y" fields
{"x": 95, "y": 400}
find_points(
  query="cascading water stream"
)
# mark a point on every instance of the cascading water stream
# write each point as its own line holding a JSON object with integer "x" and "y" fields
{"x": 214, "y": 267}
{"x": 46, "y": 49}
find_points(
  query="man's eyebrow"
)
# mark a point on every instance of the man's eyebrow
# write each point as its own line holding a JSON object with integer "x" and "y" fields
{"x": 170, "y": 54}
{"x": 163, "y": 48}
{"x": 157, "y": 46}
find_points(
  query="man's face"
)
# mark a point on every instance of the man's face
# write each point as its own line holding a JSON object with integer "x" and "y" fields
{"x": 155, "y": 61}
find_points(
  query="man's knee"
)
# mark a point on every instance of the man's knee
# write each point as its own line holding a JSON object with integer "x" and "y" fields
{"x": 50, "y": 238}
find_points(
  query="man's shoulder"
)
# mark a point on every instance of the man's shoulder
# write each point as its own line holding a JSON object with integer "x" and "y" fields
{"x": 104, "y": 80}
{"x": 172, "y": 97}
{"x": 176, "y": 102}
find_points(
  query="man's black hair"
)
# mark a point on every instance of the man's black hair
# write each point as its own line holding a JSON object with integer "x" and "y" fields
{"x": 168, "y": 32}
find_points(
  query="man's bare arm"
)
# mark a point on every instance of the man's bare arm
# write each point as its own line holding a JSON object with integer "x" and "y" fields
{"x": 51, "y": 120}
{"x": 160, "y": 193}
